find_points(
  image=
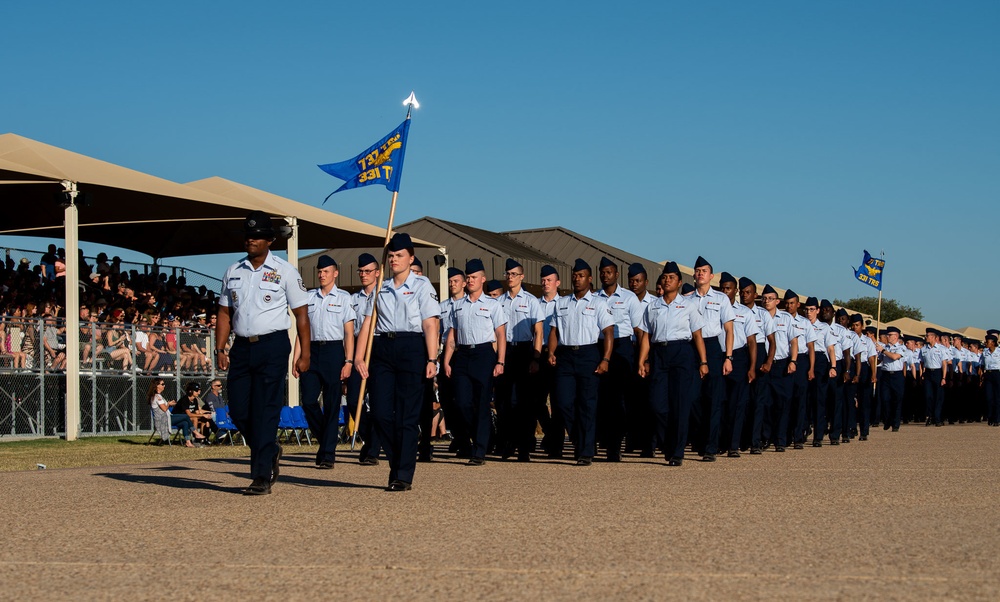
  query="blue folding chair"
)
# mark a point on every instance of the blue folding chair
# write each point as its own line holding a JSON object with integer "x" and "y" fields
{"x": 286, "y": 425}
{"x": 300, "y": 422}
{"x": 225, "y": 423}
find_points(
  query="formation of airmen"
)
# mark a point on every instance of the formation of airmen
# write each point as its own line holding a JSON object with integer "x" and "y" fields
{"x": 720, "y": 371}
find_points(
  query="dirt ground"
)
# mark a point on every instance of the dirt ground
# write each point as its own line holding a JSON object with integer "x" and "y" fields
{"x": 911, "y": 515}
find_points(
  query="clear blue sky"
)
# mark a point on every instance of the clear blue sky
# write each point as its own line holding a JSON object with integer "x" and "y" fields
{"x": 777, "y": 139}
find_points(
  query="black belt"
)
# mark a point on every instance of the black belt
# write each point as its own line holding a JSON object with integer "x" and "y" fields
{"x": 987, "y": 370}
{"x": 322, "y": 343}
{"x": 399, "y": 335}
{"x": 521, "y": 343}
{"x": 577, "y": 347}
{"x": 893, "y": 371}
{"x": 476, "y": 346}
{"x": 258, "y": 338}
{"x": 665, "y": 343}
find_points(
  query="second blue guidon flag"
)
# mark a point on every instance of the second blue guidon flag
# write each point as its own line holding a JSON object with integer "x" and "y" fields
{"x": 870, "y": 271}
{"x": 381, "y": 163}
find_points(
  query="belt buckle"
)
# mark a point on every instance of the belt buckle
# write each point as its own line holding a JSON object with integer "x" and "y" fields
{"x": 574, "y": 347}
{"x": 390, "y": 335}
{"x": 253, "y": 339}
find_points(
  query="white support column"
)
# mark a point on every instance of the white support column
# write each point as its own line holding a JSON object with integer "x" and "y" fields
{"x": 72, "y": 315}
{"x": 443, "y": 275}
{"x": 293, "y": 258}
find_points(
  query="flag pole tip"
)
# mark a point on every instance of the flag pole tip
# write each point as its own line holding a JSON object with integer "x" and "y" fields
{"x": 411, "y": 101}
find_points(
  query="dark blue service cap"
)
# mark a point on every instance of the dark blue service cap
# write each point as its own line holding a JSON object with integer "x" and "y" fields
{"x": 687, "y": 288}
{"x": 702, "y": 262}
{"x": 493, "y": 285}
{"x": 474, "y": 265}
{"x": 581, "y": 265}
{"x": 725, "y": 277}
{"x": 811, "y": 302}
{"x": 745, "y": 282}
{"x": 416, "y": 262}
{"x": 511, "y": 264}
{"x": 325, "y": 261}
{"x": 452, "y": 272}
{"x": 841, "y": 312}
{"x": 259, "y": 223}
{"x": 769, "y": 290}
{"x": 606, "y": 263}
{"x": 891, "y": 329}
{"x": 991, "y": 337}
{"x": 548, "y": 270}
{"x": 955, "y": 335}
{"x": 365, "y": 259}
{"x": 857, "y": 318}
{"x": 871, "y": 330}
{"x": 635, "y": 269}
{"x": 993, "y": 331}
{"x": 400, "y": 241}
{"x": 826, "y": 303}
{"x": 671, "y": 268}
{"x": 790, "y": 294}
{"x": 933, "y": 331}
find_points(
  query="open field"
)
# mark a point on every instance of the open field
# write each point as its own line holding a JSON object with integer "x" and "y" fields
{"x": 911, "y": 516}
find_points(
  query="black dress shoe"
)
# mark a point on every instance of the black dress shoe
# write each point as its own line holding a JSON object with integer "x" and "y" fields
{"x": 369, "y": 461}
{"x": 276, "y": 466}
{"x": 614, "y": 456}
{"x": 647, "y": 453}
{"x": 895, "y": 429}
{"x": 708, "y": 458}
{"x": 399, "y": 486}
{"x": 845, "y": 439}
{"x": 834, "y": 442}
{"x": 863, "y": 438}
{"x": 524, "y": 457}
{"x": 259, "y": 486}
{"x": 585, "y": 461}
{"x": 817, "y": 444}
{"x": 475, "y": 462}
{"x": 325, "y": 465}
{"x": 675, "y": 461}
{"x": 778, "y": 448}
{"x": 733, "y": 454}
{"x": 797, "y": 446}
{"x": 755, "y": 451}
{"x": 928, "y": 423}
{"x": 886, "y": 426}
{"x": 554, "y": 455}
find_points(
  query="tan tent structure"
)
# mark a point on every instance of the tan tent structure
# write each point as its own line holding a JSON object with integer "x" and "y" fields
{"x": 49, "y": 191}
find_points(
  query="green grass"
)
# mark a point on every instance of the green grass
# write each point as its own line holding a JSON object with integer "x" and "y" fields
{"x": 109, "y": 451}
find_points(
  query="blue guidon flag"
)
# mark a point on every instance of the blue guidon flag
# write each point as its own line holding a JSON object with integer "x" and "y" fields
{"x": 381, "y": 163}
{"x": 870, "y": 271}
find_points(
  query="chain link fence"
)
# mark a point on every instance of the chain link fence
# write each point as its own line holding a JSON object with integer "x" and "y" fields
{"x": 118, "y": 364}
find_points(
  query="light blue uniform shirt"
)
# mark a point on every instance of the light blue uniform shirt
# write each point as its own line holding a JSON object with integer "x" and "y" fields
{"x": 523, "y": 312}
{"x": 890, "y": 365}
{"x": 447, "y": 306}
{"x": 991, "y": 359}
{"x": 329, "y": 314}
{"x": 361, "y": 304}
{"x": 259, "y": 299}
{"x": 823, "y": 337}
{"x": 935, "y": 356}
{"x": 674, "y": 321}
{"x": 784, "y": 331}
{"x": 956, "y": 358}
{"x": 405, "y": 308}
{"x": 476, "y": 322}
{"x": 715, "y": 310}
{"x": 744, "y": 325}
{"x": 580, "y": 321}
{"x": 858, "y": 345}
{"x": 843, "y": 340}
{"x": 765, "y": 325}
{"x": 548, "y": 314}
{"x": 804, "y": 333}
{"x": 626, "y": 310}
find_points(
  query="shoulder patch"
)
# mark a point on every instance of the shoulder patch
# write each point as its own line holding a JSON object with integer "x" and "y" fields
{"x": 302, "y": 286}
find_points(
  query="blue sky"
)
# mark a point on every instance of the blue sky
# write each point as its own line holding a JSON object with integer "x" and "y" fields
{"x": 777, "y": 139}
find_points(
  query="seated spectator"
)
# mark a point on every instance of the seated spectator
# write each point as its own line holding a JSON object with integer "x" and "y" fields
{"x": 188, "y": 405}
{"x": 90, "y": 335}
{"x": 143, "y": 355}
{"x": 10, "y": 343}
{"x": 211, "y": 402}
{"x": 48, "y": 263}
{"x": 116, "y": 339}
{"x": 194, "y": 349}
{"x": 158, "y": 356}
{"x": 55, "y": 356}
{"x": 163, "y": 419}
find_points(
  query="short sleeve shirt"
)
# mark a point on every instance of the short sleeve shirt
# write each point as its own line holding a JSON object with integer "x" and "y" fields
{"x": 329, "y": 314}
{"x": 404, "y": 309}
{"x": 475, "y": 322}
{"x": 626, "y": 310}
{"x": 580, "y": 321}
{"x": 259, "y": 299}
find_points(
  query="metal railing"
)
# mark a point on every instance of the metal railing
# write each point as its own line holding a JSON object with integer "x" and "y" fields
{"x": 117, "y": 366}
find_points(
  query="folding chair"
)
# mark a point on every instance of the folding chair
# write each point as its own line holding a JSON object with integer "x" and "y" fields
{"x": 152, "y": 419}
{"x": 286, "y": 424}
{"x": 225, "y": 423}
{"x": 300, "y": 422}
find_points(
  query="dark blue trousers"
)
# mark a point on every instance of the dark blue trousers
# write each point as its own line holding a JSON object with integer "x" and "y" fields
{"x": 991, "y": 387}
{"x": 554, "y": 439}
{"x": 398, "y": 366}
{"x": 760, "y": 426}
{"x": 472, "y": 378}
{"x": 515, "y": 401}
{"x": 673, "y": 386}
{"x": 779, "y": 391}
{"x": 576, "y": 394}
{"x": 865, "y": 394}
{"x": 614, "y": 385}
{"x": 800, "y": 398}
{"x": 452, "y": 414}
{"x": 737, "y": 396}
{"x": 323, "y": 377}
{"x": 366, "y": 432}
{"x": 819, "y": 388}
{"x": 835, "y": 401}
{"x": 850, "y": 406}
{"x": 933, "y": 394}
{"x": 706, "y": 413}
{"x": 892, "y": 384}
{"x": 256, "y": 385}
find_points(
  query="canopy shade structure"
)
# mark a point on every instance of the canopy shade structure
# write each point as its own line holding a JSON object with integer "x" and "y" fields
{"x": 137, "y": 211}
